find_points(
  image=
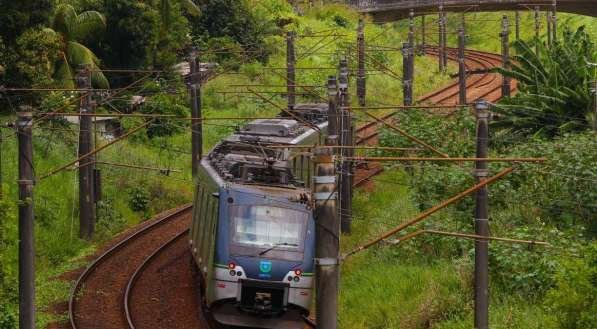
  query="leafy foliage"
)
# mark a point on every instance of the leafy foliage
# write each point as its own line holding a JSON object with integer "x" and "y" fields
{"x": 38, "y": 49}
{"x": 165, "y": 104}
{"x": 71, "y": 28}
{"x": 19, "y": 16}
{"x": 138, "y": 199}
{"x": 166, "y": 10}
{"x": 574, "y": 298}
{"x": 131, "y": 25}
{"x": 233, "y": 19}
{"x": 562, "y": 190}
{"x": 8, "y": 293}
{"x": 554, "y": 86}
{"x": 139, "y": 28}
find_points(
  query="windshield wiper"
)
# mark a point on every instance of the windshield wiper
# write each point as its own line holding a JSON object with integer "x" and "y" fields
{"x": 277, "y": 245}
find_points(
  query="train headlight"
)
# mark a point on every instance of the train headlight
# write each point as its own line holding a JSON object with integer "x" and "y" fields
{"x": 231, "y": 265}
{"x": 232, "y": 272}
{"x": 297, "y": 279}
{"x": 298, "y": 272}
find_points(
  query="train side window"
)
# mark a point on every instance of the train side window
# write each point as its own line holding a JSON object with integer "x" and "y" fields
{"x": 197, "y": 217}
{"x": 201, "y": 222}
{"x": 209, "y": 218}
{"x": 309, "y": 173}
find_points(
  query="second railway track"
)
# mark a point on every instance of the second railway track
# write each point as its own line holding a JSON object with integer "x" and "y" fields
{"x": 147, "y": 280}
{"x": 98, "y": 297}
{"x": 485, "y": 85}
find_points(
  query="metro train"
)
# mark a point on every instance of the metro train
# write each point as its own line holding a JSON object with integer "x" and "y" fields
{"x": 253, "y": 235}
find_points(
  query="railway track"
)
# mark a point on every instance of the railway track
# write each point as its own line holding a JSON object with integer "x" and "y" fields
{"x": 484, "y": 85}
{"x": 103, "y": 295}
{"x": 126, "y": 288}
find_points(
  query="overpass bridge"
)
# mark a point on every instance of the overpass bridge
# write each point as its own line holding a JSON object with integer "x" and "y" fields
{"x": 390, "y": 10}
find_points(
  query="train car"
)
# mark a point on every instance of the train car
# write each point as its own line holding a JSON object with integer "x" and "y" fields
{"x": 253, "y": 234}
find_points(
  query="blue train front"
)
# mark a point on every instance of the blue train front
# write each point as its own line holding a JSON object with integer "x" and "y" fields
{"x": 253, "y": 233}
{"x": 263, "y": 258}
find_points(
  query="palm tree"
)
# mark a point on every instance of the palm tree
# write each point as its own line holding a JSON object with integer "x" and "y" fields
{"x": 72, "y": 29}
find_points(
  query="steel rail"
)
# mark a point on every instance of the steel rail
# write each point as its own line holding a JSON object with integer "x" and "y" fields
{"x": 78, "y": 284}
{"x": 483, "y": 59}
{"x": 133, "y": 279}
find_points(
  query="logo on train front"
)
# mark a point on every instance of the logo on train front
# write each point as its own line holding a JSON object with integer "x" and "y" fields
{"x": 265, "y": 266}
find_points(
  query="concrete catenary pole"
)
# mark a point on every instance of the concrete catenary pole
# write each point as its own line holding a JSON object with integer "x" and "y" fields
{"x": 406, "y": 83}
{"x": 290, "y": 70}
{"x": 463, "y": 21}
{"x": 333, "y": 122}
{"x": 26, "y": 225}
{"x": 440, "y": 46}
{"x": 505, "y": 35}
{"x": 326, "y": 237}
{"x": 461, "y": 68}
{"x": 86, "y": 165}
{"x": 196, "y": 122}
{"x": 554, "y": 20}
{"x": 411, "y": 27}
{"x": 482, "y": 219}
{"x": 517, "y": 24}
{"x": 333, "y": 116}
{"x": 411, "y": 53}
{"x": 445, "y": 41}
{"x": 346, "y": 139}
{"x": 361, "y": 76}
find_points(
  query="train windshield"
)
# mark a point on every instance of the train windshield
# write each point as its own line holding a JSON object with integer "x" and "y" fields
{"x": 264, "y": 227}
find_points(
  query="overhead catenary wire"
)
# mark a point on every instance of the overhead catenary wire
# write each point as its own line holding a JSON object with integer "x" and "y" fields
{"x": 84, "y": 156}
{"x": 450, "y": 159}
{"x": 430, "y": 211}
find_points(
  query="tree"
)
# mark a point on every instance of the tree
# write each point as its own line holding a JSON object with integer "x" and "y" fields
{"x": 554, "y": 86}
{"x": 71, "y": 28}
{"x": 166, "y": 10}
{"x": 18, "y": 16}
{"x": 230, "y": 19}
{"x": 136, "y": 37}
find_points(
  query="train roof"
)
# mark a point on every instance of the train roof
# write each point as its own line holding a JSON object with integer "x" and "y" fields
{"x": 243, "y": 157}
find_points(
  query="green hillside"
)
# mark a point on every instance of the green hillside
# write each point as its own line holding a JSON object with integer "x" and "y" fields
{"x": 424, "y": 283}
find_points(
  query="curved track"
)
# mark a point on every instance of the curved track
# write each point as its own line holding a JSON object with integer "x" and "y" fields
{"x": 165, "y": 279}
{"x": 483, "y": 85}
{"x": 98, "y": 297}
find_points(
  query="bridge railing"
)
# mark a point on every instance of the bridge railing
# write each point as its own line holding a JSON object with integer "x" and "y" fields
{"x": 379, "y": 4}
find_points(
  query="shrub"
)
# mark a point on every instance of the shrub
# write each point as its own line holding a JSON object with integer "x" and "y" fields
{"x": 8, "y": 293}
{"x": 138, "y": 198}
{"x": 165, "y": 104}
{"x": 109, "y": 221}
{"x": 554, "y": 86}
{"x": 232, "y": 19}
{"x": 574, "y": 298}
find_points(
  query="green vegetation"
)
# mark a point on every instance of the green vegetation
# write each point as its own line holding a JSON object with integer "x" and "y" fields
{"x": 423, "y": 283}
{"x": 555, "y": 86}
{"x": 70, "y": 28}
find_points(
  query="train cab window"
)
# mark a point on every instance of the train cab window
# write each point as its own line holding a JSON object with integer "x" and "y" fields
{"x": 267, "y": 231}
